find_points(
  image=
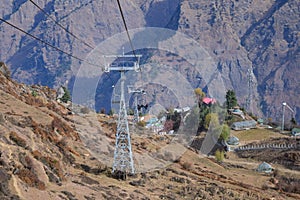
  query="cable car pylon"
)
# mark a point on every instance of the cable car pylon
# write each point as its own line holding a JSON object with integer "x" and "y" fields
{"x": 123, "y": 159}
{"x": 136, "y": 110}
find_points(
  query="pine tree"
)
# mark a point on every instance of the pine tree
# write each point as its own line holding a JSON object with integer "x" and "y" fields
{"x": 231, "y": 100}
{"x": 66, "y": 97}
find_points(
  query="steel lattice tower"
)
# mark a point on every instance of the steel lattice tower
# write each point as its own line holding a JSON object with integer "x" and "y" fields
{"x": 136, "y": 111}
{"x": 123, "y": 158}
{"x": 136, "y": 118}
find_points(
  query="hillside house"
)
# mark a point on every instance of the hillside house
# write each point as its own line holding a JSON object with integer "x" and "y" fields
{"x": 208, "y": 100}
{"x": 232, "y": 140}
{"x": 182, "y": 110}
{"x": 237, "y": 111}
{"x": 244, "y": 125}
{"x": 264, "y": 167}
{"x": 296, "y": 132}
{"x": 260, "y": 121}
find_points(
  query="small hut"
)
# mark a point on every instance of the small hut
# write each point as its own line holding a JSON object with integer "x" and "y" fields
{"x": 232, "y": 140}
{"x": 264, "y": 168}
{"x": 296, "y": 131}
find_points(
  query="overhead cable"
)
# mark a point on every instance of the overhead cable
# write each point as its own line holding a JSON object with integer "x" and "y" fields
{"x": 125, "y": 25}
{"x": 47, "y": 43}
{"x": 60, "y": 24}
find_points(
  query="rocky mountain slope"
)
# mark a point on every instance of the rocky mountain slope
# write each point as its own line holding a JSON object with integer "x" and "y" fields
{"x": 240, "y": 36}
{"x": 43, "y": 156}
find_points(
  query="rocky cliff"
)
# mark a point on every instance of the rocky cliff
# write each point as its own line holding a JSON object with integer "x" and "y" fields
{"x": 262, "y": 37}
{"x": 254, "y": 37}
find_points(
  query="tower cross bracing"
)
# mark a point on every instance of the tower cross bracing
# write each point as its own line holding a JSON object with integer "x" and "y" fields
{"x": 123, "y": 157}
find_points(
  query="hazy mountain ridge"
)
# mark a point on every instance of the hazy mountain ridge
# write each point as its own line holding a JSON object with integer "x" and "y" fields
{"x": 239, "y": 35}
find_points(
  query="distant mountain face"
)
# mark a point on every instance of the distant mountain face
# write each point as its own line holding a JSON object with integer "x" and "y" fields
{"x": 245, "y": 39}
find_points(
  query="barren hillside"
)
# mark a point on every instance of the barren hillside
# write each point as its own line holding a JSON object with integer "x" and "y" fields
{"x": 44, "y": 155}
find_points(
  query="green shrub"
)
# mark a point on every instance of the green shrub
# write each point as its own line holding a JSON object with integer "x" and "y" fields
{"x": 219, "y": 155}
{"x": 34, "y": 93}
{"x": 67, "y": 96}
{"x": 225, "y": 132}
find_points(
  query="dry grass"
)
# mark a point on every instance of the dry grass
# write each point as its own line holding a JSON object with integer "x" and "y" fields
{"x": 17, "y": 139}
{"x": 255, "y": 134}
{"x": 20, "y": 108}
